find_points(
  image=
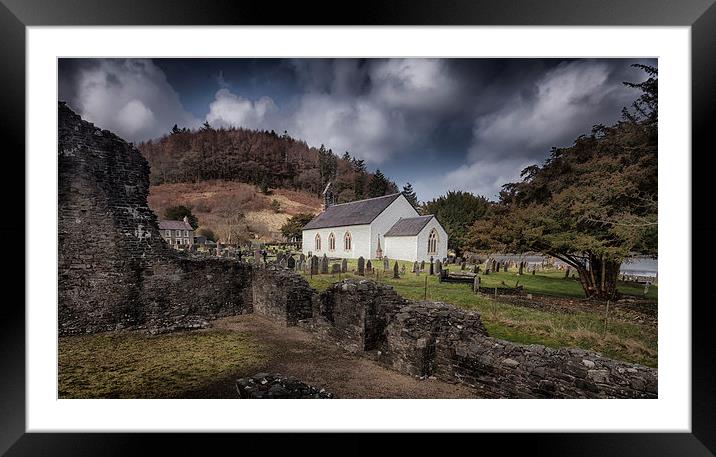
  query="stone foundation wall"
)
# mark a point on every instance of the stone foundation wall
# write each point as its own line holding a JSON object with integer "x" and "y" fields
{"x": 437, "y": 339}
{"x": 282, "y": 295}
{"x": 359, "y": 311}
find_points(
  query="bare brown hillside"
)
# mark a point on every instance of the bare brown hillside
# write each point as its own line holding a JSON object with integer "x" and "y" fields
{"x": 217, "y": 202}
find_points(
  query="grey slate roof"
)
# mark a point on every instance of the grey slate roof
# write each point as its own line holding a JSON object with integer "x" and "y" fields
{"x": 174, "y": 225}
{"x": 409, "y": 226}
{"x": 353, "y": 213}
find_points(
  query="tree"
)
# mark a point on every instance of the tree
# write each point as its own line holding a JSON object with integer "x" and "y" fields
{"x": 177, "y": 213}
{"x": 378, "y": 185}
{"x": 275, "y": 206}
{"x": 591, "y": 205}
{"x": 456, "y": 211}
{"x": 410, "y": 194}
{"x": 206, "y": 126}
{"x": 293, "y": 228}
{"x": 207, "y": 232}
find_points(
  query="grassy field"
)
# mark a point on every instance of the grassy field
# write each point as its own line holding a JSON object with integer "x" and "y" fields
{"x": 623, "y": 340}
{"x": 134, "y": 365}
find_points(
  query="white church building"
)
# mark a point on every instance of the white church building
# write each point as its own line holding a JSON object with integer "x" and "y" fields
{"x": 378, "y": 227}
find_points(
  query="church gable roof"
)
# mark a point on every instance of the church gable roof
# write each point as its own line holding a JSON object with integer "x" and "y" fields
{"x": 353, "y": 213}
{"x": 409, "y": 226}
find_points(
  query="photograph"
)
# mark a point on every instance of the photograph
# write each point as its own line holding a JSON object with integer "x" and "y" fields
{"x": 357, "y": 228}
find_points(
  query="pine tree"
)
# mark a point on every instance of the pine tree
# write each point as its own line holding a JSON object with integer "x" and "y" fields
{"x": 409, "y": 194}
{"x": 378, "y": 185}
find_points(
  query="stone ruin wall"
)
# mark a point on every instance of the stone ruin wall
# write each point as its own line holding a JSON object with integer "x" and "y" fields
{"x": 437, "y": 339}
{"x": 115, "y": 271}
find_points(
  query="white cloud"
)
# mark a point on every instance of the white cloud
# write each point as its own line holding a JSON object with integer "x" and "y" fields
{"x": 130, "y": 97}
{"x": 485, "y": 177}
{"x": 229, "y": 109}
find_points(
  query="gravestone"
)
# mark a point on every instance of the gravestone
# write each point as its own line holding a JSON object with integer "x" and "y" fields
{"x": 422, "y": 265}
{"x": 369, "y": 267}
{"x": 497, "y": 266}
{"x": 361, "y": 266}
{"x": 415, "y": 267}
{"x": 438, "y": 267}
{"x": 476, "y": 285}
{"x": 533, "y": 270}
{"x": 395, "y": 271}
{"x": 494, "y": 265}
{"x": 344, "y": 265}
{"x": 476, "y": 269}
{"x": 324, "y": 264}
{"x": 335, "y": 268}
{"x": 462, "y": 265}
{"x": 402, "y": 270}
{"x": 291, "y": 262}
{"x": 432, "y": 267}
{"x": 279, "y": 257}
{"x": 257, "y": 256}
{"x": 314, "y": 265}
{"x": 302, "y": 258}
{"x": 386, "y": 264}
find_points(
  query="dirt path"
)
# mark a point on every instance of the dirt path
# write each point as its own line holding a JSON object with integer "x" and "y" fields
{"x": 297, "y": 352}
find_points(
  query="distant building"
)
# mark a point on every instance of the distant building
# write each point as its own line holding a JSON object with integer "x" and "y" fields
{"x": 179, "y": 234}
{"x": 383, "y": 226}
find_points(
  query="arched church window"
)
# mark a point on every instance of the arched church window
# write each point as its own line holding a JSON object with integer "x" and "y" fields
{"x": 347, "y": 241}
{"x": 332, "y": 242}
{"x": 433, "y": 242}
{"x": 318, "y": 242}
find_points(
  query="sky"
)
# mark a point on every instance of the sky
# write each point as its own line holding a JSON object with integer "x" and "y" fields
{"x": 440, "y": 124}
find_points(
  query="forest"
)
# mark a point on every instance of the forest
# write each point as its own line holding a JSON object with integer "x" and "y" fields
{"x": 263, "y": 158}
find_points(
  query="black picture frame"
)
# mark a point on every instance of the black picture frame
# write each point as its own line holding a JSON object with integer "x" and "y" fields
{"x": 16, "y": 15}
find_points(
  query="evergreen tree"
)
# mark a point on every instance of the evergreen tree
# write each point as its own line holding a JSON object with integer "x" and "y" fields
{"x": 378, "y": 185}
{"x": 177, "y": 213}
{"x": 456, "y": 211}
{"x": 409, "y": 194}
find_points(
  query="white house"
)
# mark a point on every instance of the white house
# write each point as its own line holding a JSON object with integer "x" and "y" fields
{"x": 385, "y": 226}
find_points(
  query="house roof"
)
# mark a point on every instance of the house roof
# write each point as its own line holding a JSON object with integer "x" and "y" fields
{"x": 353, "y": 213}
{"x": 409, "y": 226}
{"x": 174, "y": 225}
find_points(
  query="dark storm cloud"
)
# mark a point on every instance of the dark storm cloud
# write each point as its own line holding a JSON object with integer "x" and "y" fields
{"x": 466, "y": 124}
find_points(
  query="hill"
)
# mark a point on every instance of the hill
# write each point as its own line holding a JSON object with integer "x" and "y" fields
{"x": 223, "y": 205}
{"x": 263, "y": 158}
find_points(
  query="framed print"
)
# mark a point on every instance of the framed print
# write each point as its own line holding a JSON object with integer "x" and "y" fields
{"x": 414, "y": 218}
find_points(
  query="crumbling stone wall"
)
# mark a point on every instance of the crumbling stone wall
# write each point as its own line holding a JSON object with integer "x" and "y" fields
{"x": 419, "y": 336}
{"x": 359, "y": 310}
{"x": 282, "y": 295}
{"x": 115, "y": 271}
{"x": 437, "y": 339}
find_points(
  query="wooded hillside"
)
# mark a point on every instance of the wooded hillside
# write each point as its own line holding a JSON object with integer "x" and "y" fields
{"x": 263, "y": 158}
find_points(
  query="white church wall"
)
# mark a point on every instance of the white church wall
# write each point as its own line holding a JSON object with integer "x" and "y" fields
{"x": 385, "y": 220}
{"x": 422, "y": 241}
{"x": 360, "y": 241}
{"x": 401, "y": 248}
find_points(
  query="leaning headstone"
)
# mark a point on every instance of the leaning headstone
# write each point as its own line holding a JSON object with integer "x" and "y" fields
{"x": 314, "y": 265}
{"x": 324, "y": 264}
{"x": 438, "y": 267}
{"x": 395, "y": 271}
{"x": 361, "y": 266}
{"x": 368, "y": 266}
{"x": 344, "y": 265}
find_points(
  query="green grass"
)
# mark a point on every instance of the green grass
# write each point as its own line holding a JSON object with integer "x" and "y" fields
{"x": 627, "y": 341}
{"x": 135, "y": 365}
